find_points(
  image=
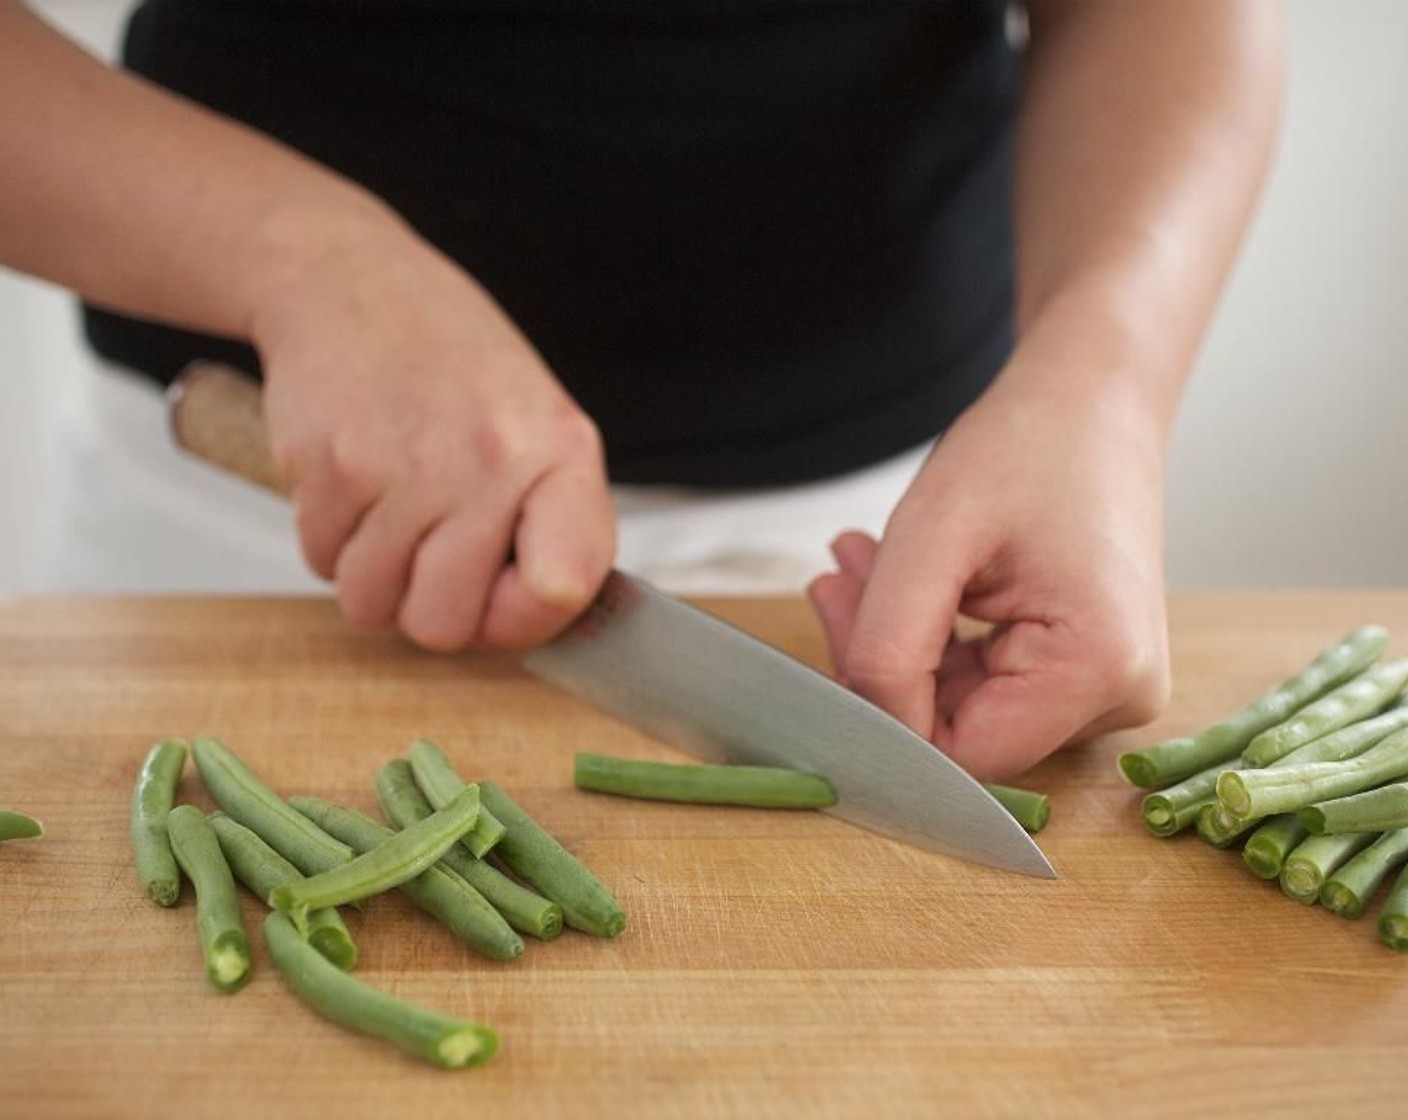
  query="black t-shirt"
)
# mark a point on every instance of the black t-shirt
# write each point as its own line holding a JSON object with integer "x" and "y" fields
{"x": 759, "y": 242}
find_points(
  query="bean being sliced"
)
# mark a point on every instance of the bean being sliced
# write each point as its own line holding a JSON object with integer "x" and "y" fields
{"x": 17, "y": 826}
{"x": 152, "y": 798}
{"x": 403, "y": 804}
{"x": 537, "y": 858}
{"x": 1175, "y": 759}
{"x": 439, "y": 1039}
{"x": 761, "y": 787}
{"x": 249, "y": 801}
{"x": 262, "y": 870}
{"x": 437, "y": 779}
{"x": 221, "y": 926}
{"x": 402, "y": 856}
{"x": 437, "y": 890}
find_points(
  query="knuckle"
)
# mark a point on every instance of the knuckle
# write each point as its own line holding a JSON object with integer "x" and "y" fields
{"x": 577, "y": 436}
{"x": 1134, "y": 674}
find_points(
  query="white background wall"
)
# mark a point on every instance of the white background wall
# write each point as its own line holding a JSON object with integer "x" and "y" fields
{"x": 1289, "y": 465}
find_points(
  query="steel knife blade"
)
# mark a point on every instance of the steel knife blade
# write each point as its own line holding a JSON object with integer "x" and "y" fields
{"x": 693, "y": 680}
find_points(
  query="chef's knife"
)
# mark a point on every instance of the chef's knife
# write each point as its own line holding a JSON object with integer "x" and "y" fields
{"x": 695, "y": 681}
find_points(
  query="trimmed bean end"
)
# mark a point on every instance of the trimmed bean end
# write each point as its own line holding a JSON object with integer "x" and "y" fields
{"x": 1393, "y": 932}
{"x": 471, "y": 1045}
{"x": 1261, "y": 864}
{"x": 1138, "y": 770}
{"x": 1313, "y": 819}
{"x": 229, "y": 964}
{"x": 1340, "y": 900}
{"x": 164, "y": 892}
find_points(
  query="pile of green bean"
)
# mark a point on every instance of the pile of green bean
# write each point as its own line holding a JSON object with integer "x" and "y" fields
{"x": 466, "y": 853}
{"x": 1310, "y": 781}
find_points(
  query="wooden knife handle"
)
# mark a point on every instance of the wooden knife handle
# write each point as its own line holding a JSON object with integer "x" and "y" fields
{"x": 217, "y": 415}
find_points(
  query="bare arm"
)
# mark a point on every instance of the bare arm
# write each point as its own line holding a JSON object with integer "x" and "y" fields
{"x": 443, "y": 478}
{"x": 146, "y": 202}
{"x": 1144, "y": 134}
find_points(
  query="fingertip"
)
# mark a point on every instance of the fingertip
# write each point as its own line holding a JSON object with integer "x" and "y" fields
{"x": 855, "y": 553}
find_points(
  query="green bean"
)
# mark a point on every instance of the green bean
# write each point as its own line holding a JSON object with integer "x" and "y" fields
{"x": 1376, "y": 810}
{"x": 249, "y": 801}
{"x": 403, "y": 804}
{"x": 1281, "y": 789}
{"x": 1175, "y": 759}
{"x": 402, "y": 856}
{"x": 1393, "y": 918}
{"x": 760, "y": 787}
{"x": 1314, "y": 860}
{"x": 152, "y": 797}
{"x": 262, "y": 869}
{"x": 538, "y": 859}
{"x": 435, "y": 775}
{"x": 1219, "y": 828}
{"x": 1266, "y": 849}
{"x": 1348, "y": 742}
{"x": 437, "y": 890}
{"x": 1349, "y": 889}
{"x": 17, "y": 826}
{"x": 441, "y": 1040}
{"x": 1171, "y": 810}
{"x": 218, "y": 918}
{"x": 1029, "y": 809}
{"x": 1366, "y": 695}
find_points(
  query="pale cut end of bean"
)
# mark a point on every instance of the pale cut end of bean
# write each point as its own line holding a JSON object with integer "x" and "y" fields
{"x": 1301, "y": 883}
{"x": 164, "y": 892}
{"x": 228, "y": 967}
{"x": 1394, "y": 933}
{"x": 468, "y": 1047}
{"x": 1339, "y": 900}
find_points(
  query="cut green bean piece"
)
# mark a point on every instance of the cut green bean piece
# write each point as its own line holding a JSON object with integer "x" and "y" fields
{"x": 437, "y": 890}
{"x": 1171, "y": 810}
{"x": 536, "y": 857}
{"x": 1364, "y": 696}
{"x": 1349, "y": 889}
{"x": 152, "y": 798}
{"x": 1266, "y": 849}
{"x": 1175, "y": 759}
{"x": 404, "y": 855}
{"x": 1029, "y": 809}
{"x": 1218, "y": 827}
{"x": 1393, "y": 918}
{"x": 437, "y": 778}
{"x": 17, "y": 826}
{"x": 262, "y": 870}
{"x": 244, "y": 797}
{"x": 1348, "y": 742}
{"x": 403, "y": 803}
{"x": 759, "y": 787}
{"x": 1281, "y": 789}
{"x": 437, "y": 1038}
{"x": 1375, "y": 810}
{"x": 218, "y": 918}
{"x": 1315, "y": 859}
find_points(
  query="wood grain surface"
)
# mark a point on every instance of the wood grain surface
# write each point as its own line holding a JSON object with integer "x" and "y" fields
{"x": 775, "y": 965}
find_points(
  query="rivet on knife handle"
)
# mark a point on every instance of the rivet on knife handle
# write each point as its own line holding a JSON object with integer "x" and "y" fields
{"x": 217, "y": 415}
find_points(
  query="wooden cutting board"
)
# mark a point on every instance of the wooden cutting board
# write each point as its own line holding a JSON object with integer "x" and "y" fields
{"x": 775, "y": 964}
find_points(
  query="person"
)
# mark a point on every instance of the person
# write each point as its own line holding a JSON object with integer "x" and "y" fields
{"x": 492, "y": 258}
